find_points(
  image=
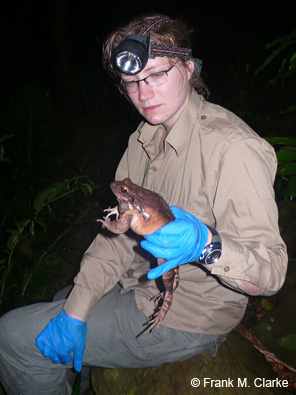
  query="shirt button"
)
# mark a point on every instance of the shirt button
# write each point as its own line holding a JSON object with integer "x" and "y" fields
{"x": 154, "y": 169}
{"x": 203, "y": 117}
{"x": 226, "y": 269}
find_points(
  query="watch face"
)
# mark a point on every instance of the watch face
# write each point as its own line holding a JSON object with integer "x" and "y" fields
{"x": 213, "y": 257}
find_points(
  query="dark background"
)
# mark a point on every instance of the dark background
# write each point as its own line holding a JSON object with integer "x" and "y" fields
{"x": 58, "y": 44}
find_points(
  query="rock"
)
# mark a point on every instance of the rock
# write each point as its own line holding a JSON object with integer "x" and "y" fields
{"x": 237, "y": 368}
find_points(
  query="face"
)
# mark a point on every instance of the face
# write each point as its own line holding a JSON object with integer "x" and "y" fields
{"x": 162, "y": 104}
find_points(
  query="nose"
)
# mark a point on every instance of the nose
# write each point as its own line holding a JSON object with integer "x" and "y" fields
{"x": 145, "y": 91}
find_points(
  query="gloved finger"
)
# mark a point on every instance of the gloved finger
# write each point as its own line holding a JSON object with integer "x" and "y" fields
{"x": 78, "y": 361}
{"x": 150, "y": 248}
{"x": 162, "y": 252}
{"x": 170, "y": 237}
{"x": 157, "y": 252}
{"x": 40, "y": 343}
{"x": 165, "y": 240}
{"x": 66, "y": 359}
{"x": 161, "y": 269}
{"x": 47, "y": 352}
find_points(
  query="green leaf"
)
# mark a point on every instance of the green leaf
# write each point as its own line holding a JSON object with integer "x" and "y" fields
{"x": 12, "y": 238}
{"x": 43, "y": 196}
{"x": 48, "y": 194}
{"x": 288, "y": 38}
{"x": 87, "y": 189}
{"x": 286, "y": 156}
{"x": 5, "y": 160}
{"x": 281, "y": 140}
{"x": 289, "y": 169}
{"x": 283, "y": 43}
{"x": 288, "y": 148}
{"x": 5, "y": 137}
{"x": 271, "y": 57}
{"x": 20, "y": 223}
{"x": 32, "y": 229}
{"x": 266, "y": 304}
{"x": 288, "y": 109}
{"x": 41, "y": 222}
{"x": 293, "y": 58}
{"x": 288, "y": 342}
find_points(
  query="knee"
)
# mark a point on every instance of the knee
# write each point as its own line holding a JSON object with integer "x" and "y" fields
{"x": 9, "y": 329}
{"x": 7, "y": 325}
{"x": 18, "y": 334}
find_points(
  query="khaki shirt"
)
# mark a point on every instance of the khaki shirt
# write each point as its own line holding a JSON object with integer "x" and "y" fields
{"x": 217, "y": 168}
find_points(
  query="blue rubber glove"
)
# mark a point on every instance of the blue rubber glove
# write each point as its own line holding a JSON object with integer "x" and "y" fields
{"x": 62, "y": 336}
{"x": 180, "y": 241}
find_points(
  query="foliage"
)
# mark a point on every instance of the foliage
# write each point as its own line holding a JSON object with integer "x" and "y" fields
{"x": 47, "y": 194}
{"x": 284, "y": 57}
{"x": 285, "y": 46}
{"x": 284, "y": 49}
{"x": 33, "y": 246}
{"x": 286, "y": 155}
{"x": 284, "y": 53}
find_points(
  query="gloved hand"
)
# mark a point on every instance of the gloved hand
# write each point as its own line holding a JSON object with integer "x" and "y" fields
{"x": 178, "y": 242}
{"x": 62, "y": 336}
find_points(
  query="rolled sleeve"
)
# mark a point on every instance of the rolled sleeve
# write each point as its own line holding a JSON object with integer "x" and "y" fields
{"x": 247, "y": 219}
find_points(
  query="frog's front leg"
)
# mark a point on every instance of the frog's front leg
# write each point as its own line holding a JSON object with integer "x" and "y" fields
{"x": 120, "y": 225}
{"x": 112, "y": 211}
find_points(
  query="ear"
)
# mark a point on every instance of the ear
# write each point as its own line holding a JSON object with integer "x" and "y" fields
{"x": 190, "y": 68}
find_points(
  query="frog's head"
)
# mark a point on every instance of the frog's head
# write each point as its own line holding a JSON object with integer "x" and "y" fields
{"x": 144, "y": 201}
{"x": 127, "y": 194}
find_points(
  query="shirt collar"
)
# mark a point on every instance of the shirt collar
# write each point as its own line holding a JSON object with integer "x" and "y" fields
{"x": 150, "y": 135}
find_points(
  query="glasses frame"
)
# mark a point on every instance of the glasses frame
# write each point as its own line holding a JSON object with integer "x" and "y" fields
{"x": 123, "y": 90}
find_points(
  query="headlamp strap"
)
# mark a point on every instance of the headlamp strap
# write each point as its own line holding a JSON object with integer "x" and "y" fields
{"x": 152, "y": 48}
{"x": 153, "y": 25}
{"x": 170, "y": 52}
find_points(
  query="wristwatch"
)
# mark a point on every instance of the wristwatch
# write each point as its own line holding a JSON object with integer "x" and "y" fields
{"x": 212, "y": 252}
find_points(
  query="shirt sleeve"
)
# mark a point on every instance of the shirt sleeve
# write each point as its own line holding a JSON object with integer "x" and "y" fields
{"x": 247, "y": 219}
{"x": 103, "y": 264}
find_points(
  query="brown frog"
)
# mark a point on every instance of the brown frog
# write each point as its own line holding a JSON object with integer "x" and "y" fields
{"x": 144, "y": 212}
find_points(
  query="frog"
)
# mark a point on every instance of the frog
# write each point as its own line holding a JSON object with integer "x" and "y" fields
{"x": 144, "y": 212}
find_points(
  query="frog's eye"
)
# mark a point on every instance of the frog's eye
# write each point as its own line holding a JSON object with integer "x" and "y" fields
{"x": 123, "y": 189}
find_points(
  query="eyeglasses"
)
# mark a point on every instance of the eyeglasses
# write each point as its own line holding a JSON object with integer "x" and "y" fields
{"x": 155, "y": 79}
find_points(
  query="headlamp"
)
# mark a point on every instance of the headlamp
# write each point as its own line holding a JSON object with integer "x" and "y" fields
{"x": 132, "y": 54}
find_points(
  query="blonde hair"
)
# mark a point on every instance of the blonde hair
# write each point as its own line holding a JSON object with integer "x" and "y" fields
{"x": 174, "y": 33}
